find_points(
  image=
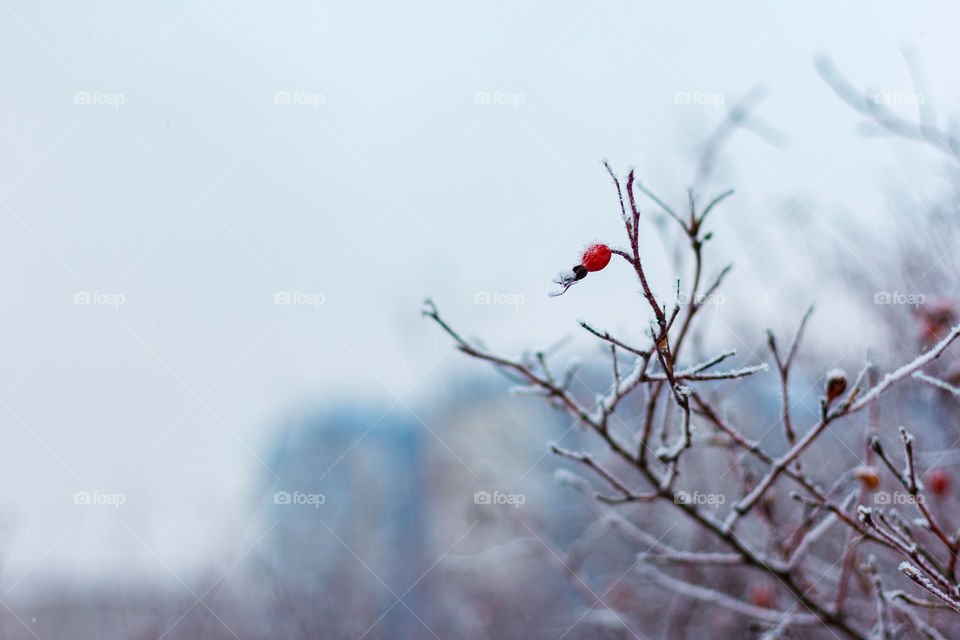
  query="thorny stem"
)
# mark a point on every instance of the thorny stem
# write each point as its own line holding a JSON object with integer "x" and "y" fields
{"x": 885, "y": 383}
{"x": 908, "y": 479}
{"x": 660, "y": 479}
{"x": 783, "y": 366}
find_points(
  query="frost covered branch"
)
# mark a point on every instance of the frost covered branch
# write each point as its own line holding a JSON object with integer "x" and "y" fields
{"x": 681, "y": 424}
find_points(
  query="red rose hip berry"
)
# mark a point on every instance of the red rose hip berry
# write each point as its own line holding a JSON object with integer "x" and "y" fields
{"x": 761, "y": 594}
{"x": 939, "y": 481}
{"x": 596, "y": 257}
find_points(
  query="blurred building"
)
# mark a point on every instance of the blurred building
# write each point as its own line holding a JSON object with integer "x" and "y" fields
{"x": 349, "y": 510}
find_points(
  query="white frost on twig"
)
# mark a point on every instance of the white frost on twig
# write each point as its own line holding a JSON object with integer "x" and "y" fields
{"x": 528, "y": 390}
{"x": 713, "y": 596}
{"x": 814, "y": 534}
{"x": 747, "y": 502}
{"x": 906, "y": 370}
{"x": 724, "y": 375}
{"x": 695, "y": 373}
{"x": 571, "y": 479}
{"x": 916, "y": 621}
{"x": 706, "y": 364}
{"x": 936, "y": 382}
{"x": 918, "y": 577}
{"x": 626, "y": 384}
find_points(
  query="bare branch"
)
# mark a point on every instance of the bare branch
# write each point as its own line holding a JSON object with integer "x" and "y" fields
{"x": 936, "y": 382}
{"x": 919, "y": 578}
{"x": 715, "y": 597}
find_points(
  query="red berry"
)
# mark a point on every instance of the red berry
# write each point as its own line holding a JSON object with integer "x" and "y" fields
{"x": 939, "y": 481}
{"x": 836, "y": 384}
{"x": 936, "y": 319}
{"x": 761, "y": 594}
{"x": 868, "y": 476}
{"x": 596, "y": 257}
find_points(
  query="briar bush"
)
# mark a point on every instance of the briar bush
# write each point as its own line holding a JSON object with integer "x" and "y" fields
{"x": 794, "y": 540}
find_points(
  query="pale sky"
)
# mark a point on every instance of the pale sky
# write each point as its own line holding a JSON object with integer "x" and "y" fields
{"x": 186, "y": 189}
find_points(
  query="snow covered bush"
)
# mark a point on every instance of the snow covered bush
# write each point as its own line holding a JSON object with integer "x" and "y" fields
{"x": 790, "y": 539}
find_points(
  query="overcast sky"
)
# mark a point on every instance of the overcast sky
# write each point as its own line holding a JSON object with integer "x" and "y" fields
{"x": 183, "y": 162}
